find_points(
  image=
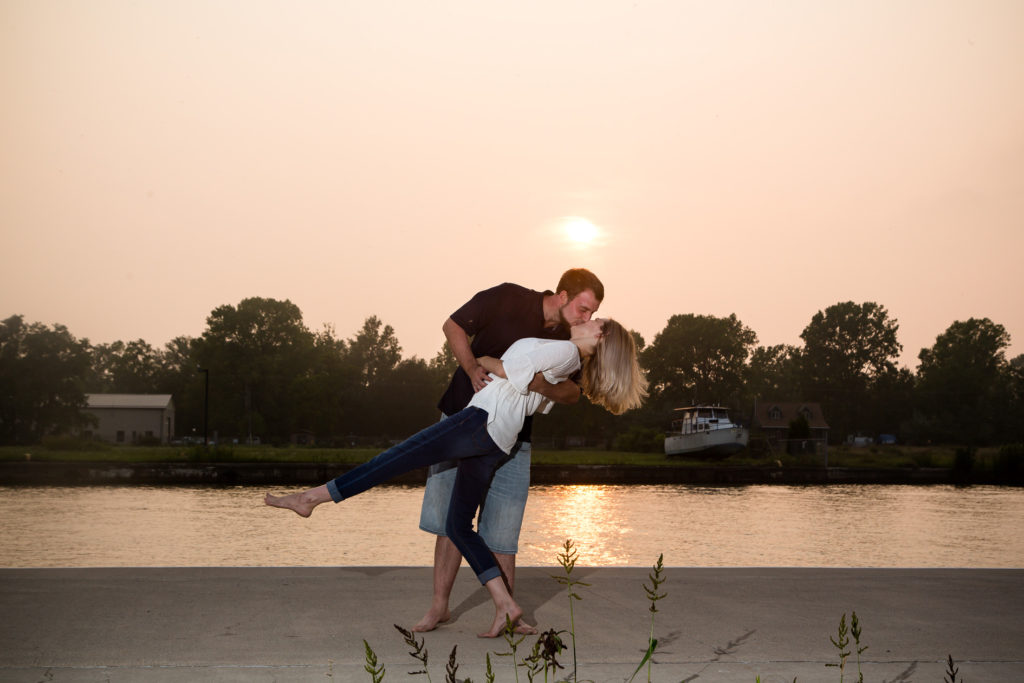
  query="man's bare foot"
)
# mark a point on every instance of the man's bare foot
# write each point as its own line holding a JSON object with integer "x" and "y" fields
{"x": 293, "y": 501}
{"x": 513, "y": 612}
{"x": 431, "y": 619}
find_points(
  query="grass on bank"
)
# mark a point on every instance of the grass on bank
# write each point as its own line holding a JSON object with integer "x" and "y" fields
{"x": 883, "y": 457}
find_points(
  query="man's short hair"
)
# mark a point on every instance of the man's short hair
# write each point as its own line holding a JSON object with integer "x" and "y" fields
{"x": 577, "y": 280}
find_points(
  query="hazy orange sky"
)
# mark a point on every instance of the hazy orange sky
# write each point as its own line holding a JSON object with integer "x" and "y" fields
{"x": 768, "y": 159}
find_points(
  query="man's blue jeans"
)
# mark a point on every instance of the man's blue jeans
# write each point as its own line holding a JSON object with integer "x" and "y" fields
{"x": 462, "y": 437}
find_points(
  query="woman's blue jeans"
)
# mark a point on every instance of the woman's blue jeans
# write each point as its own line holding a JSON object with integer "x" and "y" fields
{"x": 462, "y": 437}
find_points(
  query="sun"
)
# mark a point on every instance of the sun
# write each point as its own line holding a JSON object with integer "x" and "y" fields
{"x": 580, "y": 230}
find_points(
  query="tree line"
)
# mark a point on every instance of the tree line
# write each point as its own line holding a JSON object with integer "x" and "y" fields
{"x": 273, "y": 380}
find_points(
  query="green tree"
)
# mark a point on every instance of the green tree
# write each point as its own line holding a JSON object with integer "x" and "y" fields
{"x": 132, "y": 368}
{"x": 178, "y": 375}
{"x": 890, "y": 406}
{"x": 406, "y": 399}
{"x": 848, "y": 348}
{"x": 373, "y": 355}
{"x": 257, "y": 355}
{"x": 443, "y": 365}
{"x": 698, "y": 358}
{"x": 42, "y": 381}
{"x": 965, "y": 384}
{"x": 773, "y": 373}
{"x": 374, "y": 350}
{"x": 325, "y": 393}
{"x": 1015, "y": 430}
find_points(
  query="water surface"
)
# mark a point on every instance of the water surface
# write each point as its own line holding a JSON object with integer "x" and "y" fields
{"x": 810, "y": 526}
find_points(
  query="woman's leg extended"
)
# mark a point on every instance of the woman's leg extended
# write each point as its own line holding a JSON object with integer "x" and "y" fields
{"x": 451, "y": 439}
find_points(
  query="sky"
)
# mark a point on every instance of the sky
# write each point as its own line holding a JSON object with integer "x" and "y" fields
{"x": 159, "y": 159}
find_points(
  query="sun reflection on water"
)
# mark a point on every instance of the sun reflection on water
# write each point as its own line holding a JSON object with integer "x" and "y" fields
{"x": 589, "y": 516}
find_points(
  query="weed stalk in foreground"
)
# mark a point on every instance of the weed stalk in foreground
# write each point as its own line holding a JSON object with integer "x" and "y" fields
{"x": 840, "y": 642}
{"x": 567, "y": 558}
{"x": 376, "y": 672}
{"x": 951, "y": 671}
{"x": 509, "y": 633}
{"x": 418, "y": 652}
{"x": 856, "y": 631}
{"x": 544, "y": 654}
{"x": 452, "y": 667}
{"x": 489, "y": 675}
{"x": 654, "y": 596}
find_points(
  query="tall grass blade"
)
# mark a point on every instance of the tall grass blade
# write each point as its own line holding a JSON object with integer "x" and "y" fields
{"x": 376, "y": 672}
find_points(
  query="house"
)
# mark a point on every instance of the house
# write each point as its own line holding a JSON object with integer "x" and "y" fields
{"x": 130, "y": 418}
{"x": 772, "y": 421}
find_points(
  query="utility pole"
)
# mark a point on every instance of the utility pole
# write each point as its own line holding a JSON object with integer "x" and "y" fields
{"x": 206, "y": 405}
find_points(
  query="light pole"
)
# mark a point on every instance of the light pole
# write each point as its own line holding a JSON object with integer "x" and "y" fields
{"x": 206, "y": 403}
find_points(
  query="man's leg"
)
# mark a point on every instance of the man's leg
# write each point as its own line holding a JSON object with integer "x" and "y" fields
{"x": 447, "y": 560}
{"x": 507, "y": 562}
{"x": 437, "y": 495}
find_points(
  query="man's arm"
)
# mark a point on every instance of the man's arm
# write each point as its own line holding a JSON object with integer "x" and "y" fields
{"x": 566, "y": 393}
{"x": 493, "y": 365}
{"x": 458, "y": 340}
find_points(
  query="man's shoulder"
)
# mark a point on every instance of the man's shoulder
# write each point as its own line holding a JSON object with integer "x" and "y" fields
{"x": 512, "y": 289}
{"x": 510, "y": 295}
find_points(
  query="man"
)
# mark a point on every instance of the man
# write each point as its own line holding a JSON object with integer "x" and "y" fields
{"x": 495, "y": 318}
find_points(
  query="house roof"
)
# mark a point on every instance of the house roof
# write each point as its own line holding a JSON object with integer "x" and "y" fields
{"x": 158, "y": 401}
{"x": 788, "y": 412}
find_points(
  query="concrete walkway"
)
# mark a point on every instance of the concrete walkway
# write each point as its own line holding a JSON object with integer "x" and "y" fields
{"x": 177, "y": 625}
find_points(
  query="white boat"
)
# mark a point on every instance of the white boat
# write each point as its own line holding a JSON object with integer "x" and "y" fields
{"x": 705, "y": 431}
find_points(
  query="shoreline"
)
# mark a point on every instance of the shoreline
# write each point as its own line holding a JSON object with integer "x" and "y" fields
{"x": 49, "y": 473}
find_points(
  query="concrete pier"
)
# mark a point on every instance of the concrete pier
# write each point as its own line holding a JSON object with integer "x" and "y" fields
{"x": 177, "y": 625}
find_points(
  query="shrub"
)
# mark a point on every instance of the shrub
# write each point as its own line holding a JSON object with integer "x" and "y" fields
{"x": 1009, "y": 462}
{"x": 73, "y": 443}
{"x": 640, "y": 440}
{"x": 211, "y": 454}
{"x": 923, "y": 459}
{"x": 963, "y": 462}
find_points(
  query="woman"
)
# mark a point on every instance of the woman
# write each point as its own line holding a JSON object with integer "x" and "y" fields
{"x": 482, "y": 435}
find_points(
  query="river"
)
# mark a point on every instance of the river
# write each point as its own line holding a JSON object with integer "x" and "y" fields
{"x": 777, "y": 526}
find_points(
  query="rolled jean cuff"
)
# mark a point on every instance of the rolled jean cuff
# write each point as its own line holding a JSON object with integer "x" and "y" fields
{"x": 332, "y": 488}
{"x": 488, "y": 574}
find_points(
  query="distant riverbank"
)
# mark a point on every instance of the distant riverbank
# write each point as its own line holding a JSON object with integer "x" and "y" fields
{"x": 298, "y": 466}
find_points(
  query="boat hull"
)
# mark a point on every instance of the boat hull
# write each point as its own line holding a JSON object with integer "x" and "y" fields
{"x": 717, "y": 443}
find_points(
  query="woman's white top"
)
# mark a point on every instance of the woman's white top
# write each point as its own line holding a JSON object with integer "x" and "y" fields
{"x": 509, "y": 401}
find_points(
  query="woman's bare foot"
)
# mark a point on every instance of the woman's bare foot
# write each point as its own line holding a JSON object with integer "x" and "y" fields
{"x": 431, "y": 619}
{"x": 525, "y": 629}
{"x": 302, "y": 503}
{"x": 502, "y": 616}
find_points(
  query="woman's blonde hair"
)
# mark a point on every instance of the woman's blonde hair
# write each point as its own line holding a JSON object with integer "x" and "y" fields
{"x": 612, "y": 377}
